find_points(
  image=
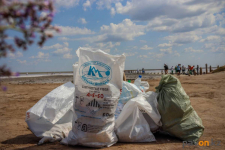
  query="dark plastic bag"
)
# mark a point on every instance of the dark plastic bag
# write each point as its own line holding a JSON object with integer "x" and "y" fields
{"x": 177, "y": 115}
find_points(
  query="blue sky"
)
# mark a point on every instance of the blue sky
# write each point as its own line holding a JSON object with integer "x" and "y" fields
{"x": 149, "y": 32}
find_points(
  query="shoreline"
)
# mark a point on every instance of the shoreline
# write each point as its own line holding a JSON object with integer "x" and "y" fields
{"x": 61, "y": 79}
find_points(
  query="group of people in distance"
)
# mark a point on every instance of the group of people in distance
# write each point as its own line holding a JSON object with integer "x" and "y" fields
{"x": 141, "y": 71}
{"x": 178, "y": 68}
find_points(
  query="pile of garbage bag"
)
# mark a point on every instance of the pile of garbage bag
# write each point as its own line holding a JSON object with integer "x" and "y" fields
{"x": 99, "y": 109}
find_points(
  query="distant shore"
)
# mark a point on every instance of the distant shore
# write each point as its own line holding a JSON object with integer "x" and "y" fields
{"x": 61, "y": 78}
{"x": 38, "y": 80}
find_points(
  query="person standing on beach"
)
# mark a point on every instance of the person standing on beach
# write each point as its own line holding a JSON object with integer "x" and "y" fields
{"x": 172, "y": 70}
{"x": 191, "y": 69}
{"x": 194, "y": 70}
{"x": 183, "y": 69}
{"x": 178, "y": 69}
{"x": 166, "y": 69}
{"x": 143, "y": 70}
{"x": 197, "y": 69}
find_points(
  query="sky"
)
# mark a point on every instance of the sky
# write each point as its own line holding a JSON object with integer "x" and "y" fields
{"x": 149, "y": 32}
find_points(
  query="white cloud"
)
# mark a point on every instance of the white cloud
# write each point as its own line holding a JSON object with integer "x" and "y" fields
{"x": 67, "y": 56}
{"x": 22, "y": 61}
{"x": 15, "y": 55}
{"x": 176, "y": 54}
{"x": 143, "y": 56}
{"x": 106, "y": 3}
{"x": 107, "y": 45}
{"x": 217, "y": 49}
{"x": 210, "y": 30}
{"x": 159, "y": 55}
{"x": 209, "y": 45}
{"x": 145, "y": 47}
{"x": 124, "y": 31}
{"x": 183, "y": 38}
{"x": 165, "y": 45}
{"x": 221, "y": 49}
{"x": 210, "y": 38}
{"x": 170, "y": 8}
{"x": 214, "y": 43}
{"x": 188, "y": 19}
{"x": 112, "y": 12}
{"x": 66, "y": 3}
{"x": 55, "y": 46}
{"x": 130, "y": 54}
{"x": 62, "y": 50}
{"x": 87, "y": 4}
{"x": 64, "y": 39}
{"x": 41, "y": 55}
{"x": 177, "y": 16}
{"x": 98, "y": 38}
{"x": 151, "y": 53}
{"x": 82, "y": 21}
{"x": 221, "y": 18}
{"x": 181, "y": 25}
{"x": 128, "y": 30}
{"x": 168, "y": 50}
{"x": 190, "y": 49}
{"x": 220, "y": 31}
{"x": 67, "y": 30}
{"x": 66, "y": 44}
{"x": 134, "y": 47}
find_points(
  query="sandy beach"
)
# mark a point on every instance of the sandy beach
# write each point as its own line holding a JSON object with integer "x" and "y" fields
{"x": 206, "y": 93}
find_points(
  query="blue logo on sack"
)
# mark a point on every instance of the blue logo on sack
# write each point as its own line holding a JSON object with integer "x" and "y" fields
{"x": 95, "y": 73}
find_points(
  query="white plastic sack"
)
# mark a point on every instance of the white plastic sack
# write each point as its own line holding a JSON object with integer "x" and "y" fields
{"x": 51, "y": 117}
{"x": 98, "y": 85}
{"x": 129, "y": 91}
{"x": 131, "y": 125}
{"x": 144, "y": 85}
{"x": 151, "y": 98}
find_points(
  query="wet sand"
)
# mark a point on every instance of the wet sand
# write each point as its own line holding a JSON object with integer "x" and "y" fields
{"x": 207, "y": 95}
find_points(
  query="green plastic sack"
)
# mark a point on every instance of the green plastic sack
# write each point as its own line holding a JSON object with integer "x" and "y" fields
{"x": 178, "y": 116}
